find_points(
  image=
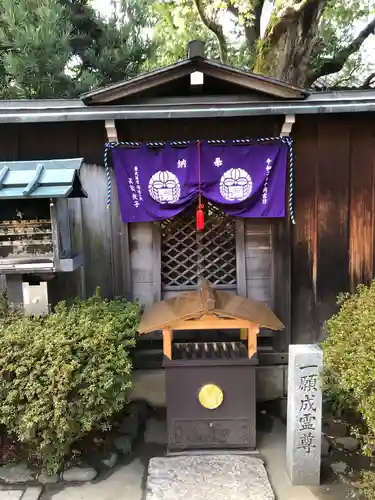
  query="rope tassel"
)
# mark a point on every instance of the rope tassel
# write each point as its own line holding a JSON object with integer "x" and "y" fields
{"x": 200, "y": 218}
{"x": 200, "y": 213}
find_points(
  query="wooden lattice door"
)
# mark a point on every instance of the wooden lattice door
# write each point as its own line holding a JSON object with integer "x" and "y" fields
{"x": 188, "y": 256}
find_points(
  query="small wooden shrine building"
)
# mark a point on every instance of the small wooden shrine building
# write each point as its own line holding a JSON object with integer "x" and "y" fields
{"x": 296, "y": 269}
{"x": 210, "y": 386}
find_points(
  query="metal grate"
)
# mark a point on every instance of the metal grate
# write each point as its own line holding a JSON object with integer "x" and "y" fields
{"x": 188, "y": 256}
{"x": 209, "y": 350}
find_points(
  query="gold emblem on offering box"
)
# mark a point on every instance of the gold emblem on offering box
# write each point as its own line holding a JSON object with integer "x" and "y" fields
{"x": 210, "y": 396}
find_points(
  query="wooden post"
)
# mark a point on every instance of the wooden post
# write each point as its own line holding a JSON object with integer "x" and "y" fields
{"x": 252, "y": 340}
{"x": 243, "y": 334}
{"x": 167, "y": 342}
{"x": 55, "y": 235}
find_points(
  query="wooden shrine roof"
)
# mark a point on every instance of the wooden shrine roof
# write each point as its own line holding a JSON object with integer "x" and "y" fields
{"x": 206, "y": 300}
{"x": 41, "y": 179}
{"x": 219, "y": 72}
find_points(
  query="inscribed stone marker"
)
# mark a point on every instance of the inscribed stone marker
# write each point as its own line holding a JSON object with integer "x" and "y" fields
{"x": 304, "y": 417}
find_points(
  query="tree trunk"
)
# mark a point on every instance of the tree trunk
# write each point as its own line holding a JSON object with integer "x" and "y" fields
{"x": 288, "y": 46}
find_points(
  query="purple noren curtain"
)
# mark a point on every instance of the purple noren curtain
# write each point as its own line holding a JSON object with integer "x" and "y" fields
{"x": 244, "y": 180}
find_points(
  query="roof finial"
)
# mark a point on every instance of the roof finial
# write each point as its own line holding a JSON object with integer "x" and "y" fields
{"x": 195, "y": 49}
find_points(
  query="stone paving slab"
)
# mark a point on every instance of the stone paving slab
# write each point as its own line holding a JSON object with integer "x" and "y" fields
{"x": 16, "y": 473}
{"x": 219, "y": 477}
{"x": 11, "y": 494}
{"x": 32, "y": 493}
{"x": 124, "y": 484}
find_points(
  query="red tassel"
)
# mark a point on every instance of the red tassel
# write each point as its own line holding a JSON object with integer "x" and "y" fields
{"x": 200, "y": 218}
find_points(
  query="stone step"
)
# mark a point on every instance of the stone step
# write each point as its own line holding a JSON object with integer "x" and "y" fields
{"x": 219, "y": 477}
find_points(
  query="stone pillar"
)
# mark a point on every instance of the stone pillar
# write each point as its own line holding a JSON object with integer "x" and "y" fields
{"x": 2, "y": 283}
{"x": 14, "y": 290}
{"x": 35, "y": 298}
{"x": 304, "y": 414}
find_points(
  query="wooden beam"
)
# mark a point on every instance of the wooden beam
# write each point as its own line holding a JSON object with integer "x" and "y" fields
{"x": 287, "y": 126}
{"x": 167, "y": 342}
{"x": 252, "y": 340}
{"x": 55, "y": 234}
{"x": 211, "y": 324}
{"x": 241, "y": 258}
{"x": 257, "y": 84}
{"x": 138, "y": 84}
{"x": 3, "y": 173}
{"x": 63, "y": 228}
{"x": 282, "y": 281}
{"x": 156, "y": 264}
{"x": 243, "y": 334}
{"x": 33, "y": 184}
{"x": 110, "y": 126}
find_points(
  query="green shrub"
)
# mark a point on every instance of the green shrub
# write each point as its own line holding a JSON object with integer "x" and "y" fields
{"x": 65, "y": 374}
{"x": 3, "y": 304}
{"x": 367, "y": 485}
{"x": 349, "y": 356}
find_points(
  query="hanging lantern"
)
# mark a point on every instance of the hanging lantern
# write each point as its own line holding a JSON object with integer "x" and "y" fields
{"x": 200, "y": 218}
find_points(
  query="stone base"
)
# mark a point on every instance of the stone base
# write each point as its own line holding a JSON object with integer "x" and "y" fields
{"x": 219, "y": 477}
{"x": 156, "y": 432}
{"x": 203, "y": 453}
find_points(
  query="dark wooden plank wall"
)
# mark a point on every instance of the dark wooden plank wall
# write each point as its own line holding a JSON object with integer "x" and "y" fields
{"x": 333, "y": 240}
{"x": 332, "y": 248}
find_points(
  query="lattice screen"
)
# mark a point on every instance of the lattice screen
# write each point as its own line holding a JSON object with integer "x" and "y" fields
{"x": 188, "y": 255}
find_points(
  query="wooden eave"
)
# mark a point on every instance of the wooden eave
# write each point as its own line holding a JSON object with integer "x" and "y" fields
{"x": 41, "y": 179}
{"x": 251, "y": 81}
{"x": 207, "y": 308}
{"x": 136, "y": 86}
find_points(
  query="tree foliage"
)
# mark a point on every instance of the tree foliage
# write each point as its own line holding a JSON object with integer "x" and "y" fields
{"x": 34, "y": 44}
{"x": 175, "y": 25}
{"x": 61, "y": 48}
{"x": 297, "y": 41}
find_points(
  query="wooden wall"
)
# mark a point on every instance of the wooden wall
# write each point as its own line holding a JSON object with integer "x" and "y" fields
{"x": 333, "y": 240}
{"x": 301, "y": 268}
{"x": 258, "y": 262}
{"x": 141, "y": 262}
{"x": 97, "y": 232}
{"x": 257, "y": 271}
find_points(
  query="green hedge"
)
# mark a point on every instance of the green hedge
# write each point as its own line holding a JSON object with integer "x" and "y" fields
{"x": 349, "y": 357}
{"x": 65, "y": 374}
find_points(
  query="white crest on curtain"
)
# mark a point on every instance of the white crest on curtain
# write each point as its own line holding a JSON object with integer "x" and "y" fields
{"x": 164, "y": 187}
{"x": 236, "y": 185}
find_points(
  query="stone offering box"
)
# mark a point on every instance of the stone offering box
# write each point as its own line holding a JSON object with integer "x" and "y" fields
{"x": 210, "y": 386}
